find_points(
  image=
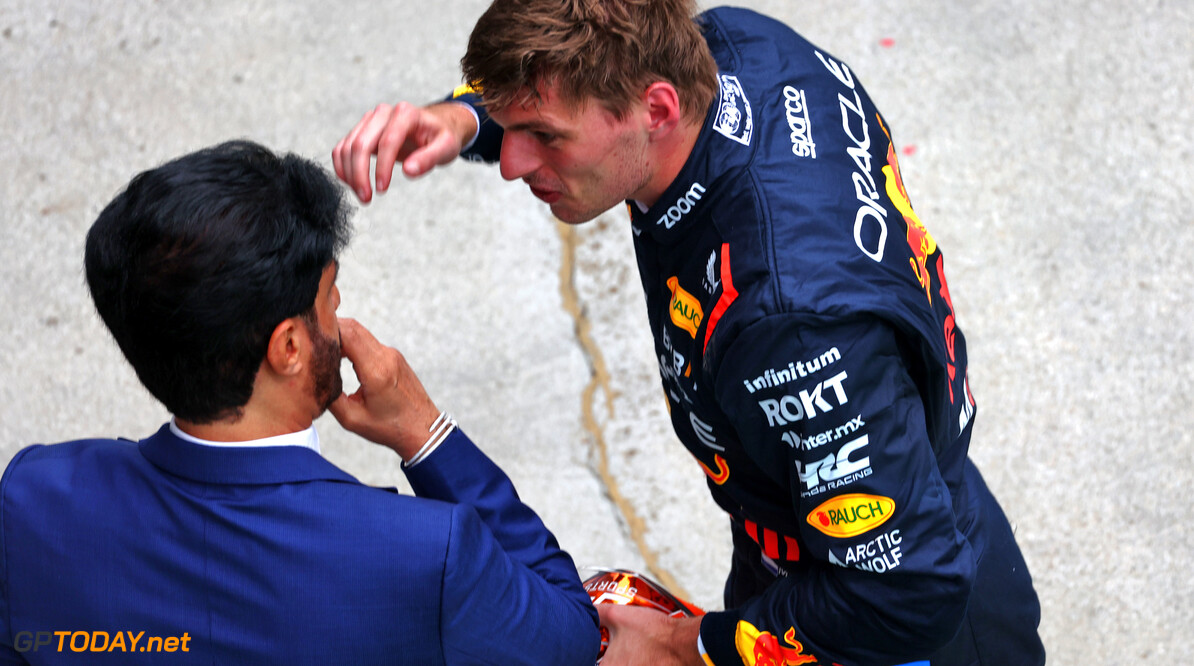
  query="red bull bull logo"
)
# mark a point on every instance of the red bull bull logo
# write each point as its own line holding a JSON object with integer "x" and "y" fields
{"x": 762, "y": 648}
{"x": 919, "y": 239}
{"x": 922, "y": 244}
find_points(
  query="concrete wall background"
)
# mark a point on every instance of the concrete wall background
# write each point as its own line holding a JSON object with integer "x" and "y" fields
{"x": 1046, "y": 145}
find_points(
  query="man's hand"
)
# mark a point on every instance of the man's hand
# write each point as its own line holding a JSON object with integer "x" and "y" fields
{"x": 419, "y": 137}
{"x": 640, "y": 635}
{"x": 391, "y": 407}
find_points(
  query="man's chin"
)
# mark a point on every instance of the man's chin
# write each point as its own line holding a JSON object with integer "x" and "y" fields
{"x": 571, "y": 216}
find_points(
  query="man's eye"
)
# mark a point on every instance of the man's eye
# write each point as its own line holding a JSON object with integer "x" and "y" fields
{"x": 544, "y": 137}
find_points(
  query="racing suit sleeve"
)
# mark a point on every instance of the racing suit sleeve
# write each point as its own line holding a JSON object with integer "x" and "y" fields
{"x": 487, "y": 144}
{"x": 510, "y": 594}
{"x": 884, "y": 574}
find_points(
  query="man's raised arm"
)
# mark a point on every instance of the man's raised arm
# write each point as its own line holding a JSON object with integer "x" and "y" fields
{"x": 420, "y": 137}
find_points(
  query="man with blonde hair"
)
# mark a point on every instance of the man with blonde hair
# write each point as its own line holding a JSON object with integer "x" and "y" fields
{"x": 806, "y": 338}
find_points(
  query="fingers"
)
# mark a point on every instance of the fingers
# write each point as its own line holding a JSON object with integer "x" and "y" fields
{"x": 375, "y": 364}
{"x": 348, "y": 154}
{"x": 362, "y": 145}
{"x": 391, "y": 407}
{"x": 359, "y": 346}
{"x": 394, "y": 134}
{"x": 348, "y": 409}
{"x": 610, "y": 621}
{"x": 356, "y": 342}
{"x": 611, "y": 616}
{"x": 639, "y": 635}
{"x": 439, "y": 147}
{"x": 338, "y": 153}
{"x": 397, "y": 138}
{"x": 353, "y": 154}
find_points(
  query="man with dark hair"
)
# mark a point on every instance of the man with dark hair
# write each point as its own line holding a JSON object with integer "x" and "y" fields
{"x": 806, "y": 338}
{"x": 225, "y": 537}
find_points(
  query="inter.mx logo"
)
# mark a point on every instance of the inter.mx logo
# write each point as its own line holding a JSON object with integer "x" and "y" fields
{"x": 807, "y": 405}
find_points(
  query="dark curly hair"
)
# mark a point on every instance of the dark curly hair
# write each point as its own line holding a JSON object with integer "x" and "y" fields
{"x": 195, "y": 263}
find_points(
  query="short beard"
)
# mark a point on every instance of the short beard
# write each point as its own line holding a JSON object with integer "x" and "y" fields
{"x": 326, "y": 384}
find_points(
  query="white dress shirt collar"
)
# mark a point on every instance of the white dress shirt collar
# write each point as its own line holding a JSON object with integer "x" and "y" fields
{"x": 307, "y": 438}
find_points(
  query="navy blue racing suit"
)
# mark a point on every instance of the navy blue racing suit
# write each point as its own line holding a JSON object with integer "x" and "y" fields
{"x": 812, "y": 364}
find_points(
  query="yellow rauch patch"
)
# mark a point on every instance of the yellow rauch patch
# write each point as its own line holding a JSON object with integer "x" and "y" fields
{"x": 852, "y": 514}
{"x": 685, "y": 309}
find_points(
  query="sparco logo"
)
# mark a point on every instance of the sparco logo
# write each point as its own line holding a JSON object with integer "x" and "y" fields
{"x": 796, "y": 110}
{"x": 685, "y": 203}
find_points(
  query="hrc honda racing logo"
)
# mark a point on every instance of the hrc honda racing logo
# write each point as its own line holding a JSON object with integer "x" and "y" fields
{"x": 835, "y": 470}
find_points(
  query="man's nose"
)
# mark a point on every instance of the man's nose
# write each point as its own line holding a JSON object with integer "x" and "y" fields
{"x": 518, "y": 157}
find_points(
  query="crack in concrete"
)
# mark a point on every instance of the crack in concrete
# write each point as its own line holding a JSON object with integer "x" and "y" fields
{"x": 599, "y": 380}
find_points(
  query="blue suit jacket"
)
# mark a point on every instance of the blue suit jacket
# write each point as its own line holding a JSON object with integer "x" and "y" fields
{"x": 274, "y": 555}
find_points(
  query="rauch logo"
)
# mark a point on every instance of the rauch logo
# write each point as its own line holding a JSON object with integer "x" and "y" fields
{"x": 852, "y": 514}
{"x": 684, "y": 308}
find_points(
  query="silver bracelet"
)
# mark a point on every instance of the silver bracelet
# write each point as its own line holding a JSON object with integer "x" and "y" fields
{"x": 440, "y": 429}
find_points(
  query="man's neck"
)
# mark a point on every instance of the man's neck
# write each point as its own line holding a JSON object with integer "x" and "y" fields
{"x": 246, "y": 427}
{"x": 673, "y": 154}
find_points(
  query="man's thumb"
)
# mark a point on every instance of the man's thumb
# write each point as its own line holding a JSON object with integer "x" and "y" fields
{"x": 347, "y": 410}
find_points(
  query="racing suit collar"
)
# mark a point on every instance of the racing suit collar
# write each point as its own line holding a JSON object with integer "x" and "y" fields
{"x": 689, "y": 198}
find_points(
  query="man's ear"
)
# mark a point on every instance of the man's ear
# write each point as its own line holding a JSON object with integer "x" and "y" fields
{"x": 287, "y": 345}
{"x": 663, "y": 108}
